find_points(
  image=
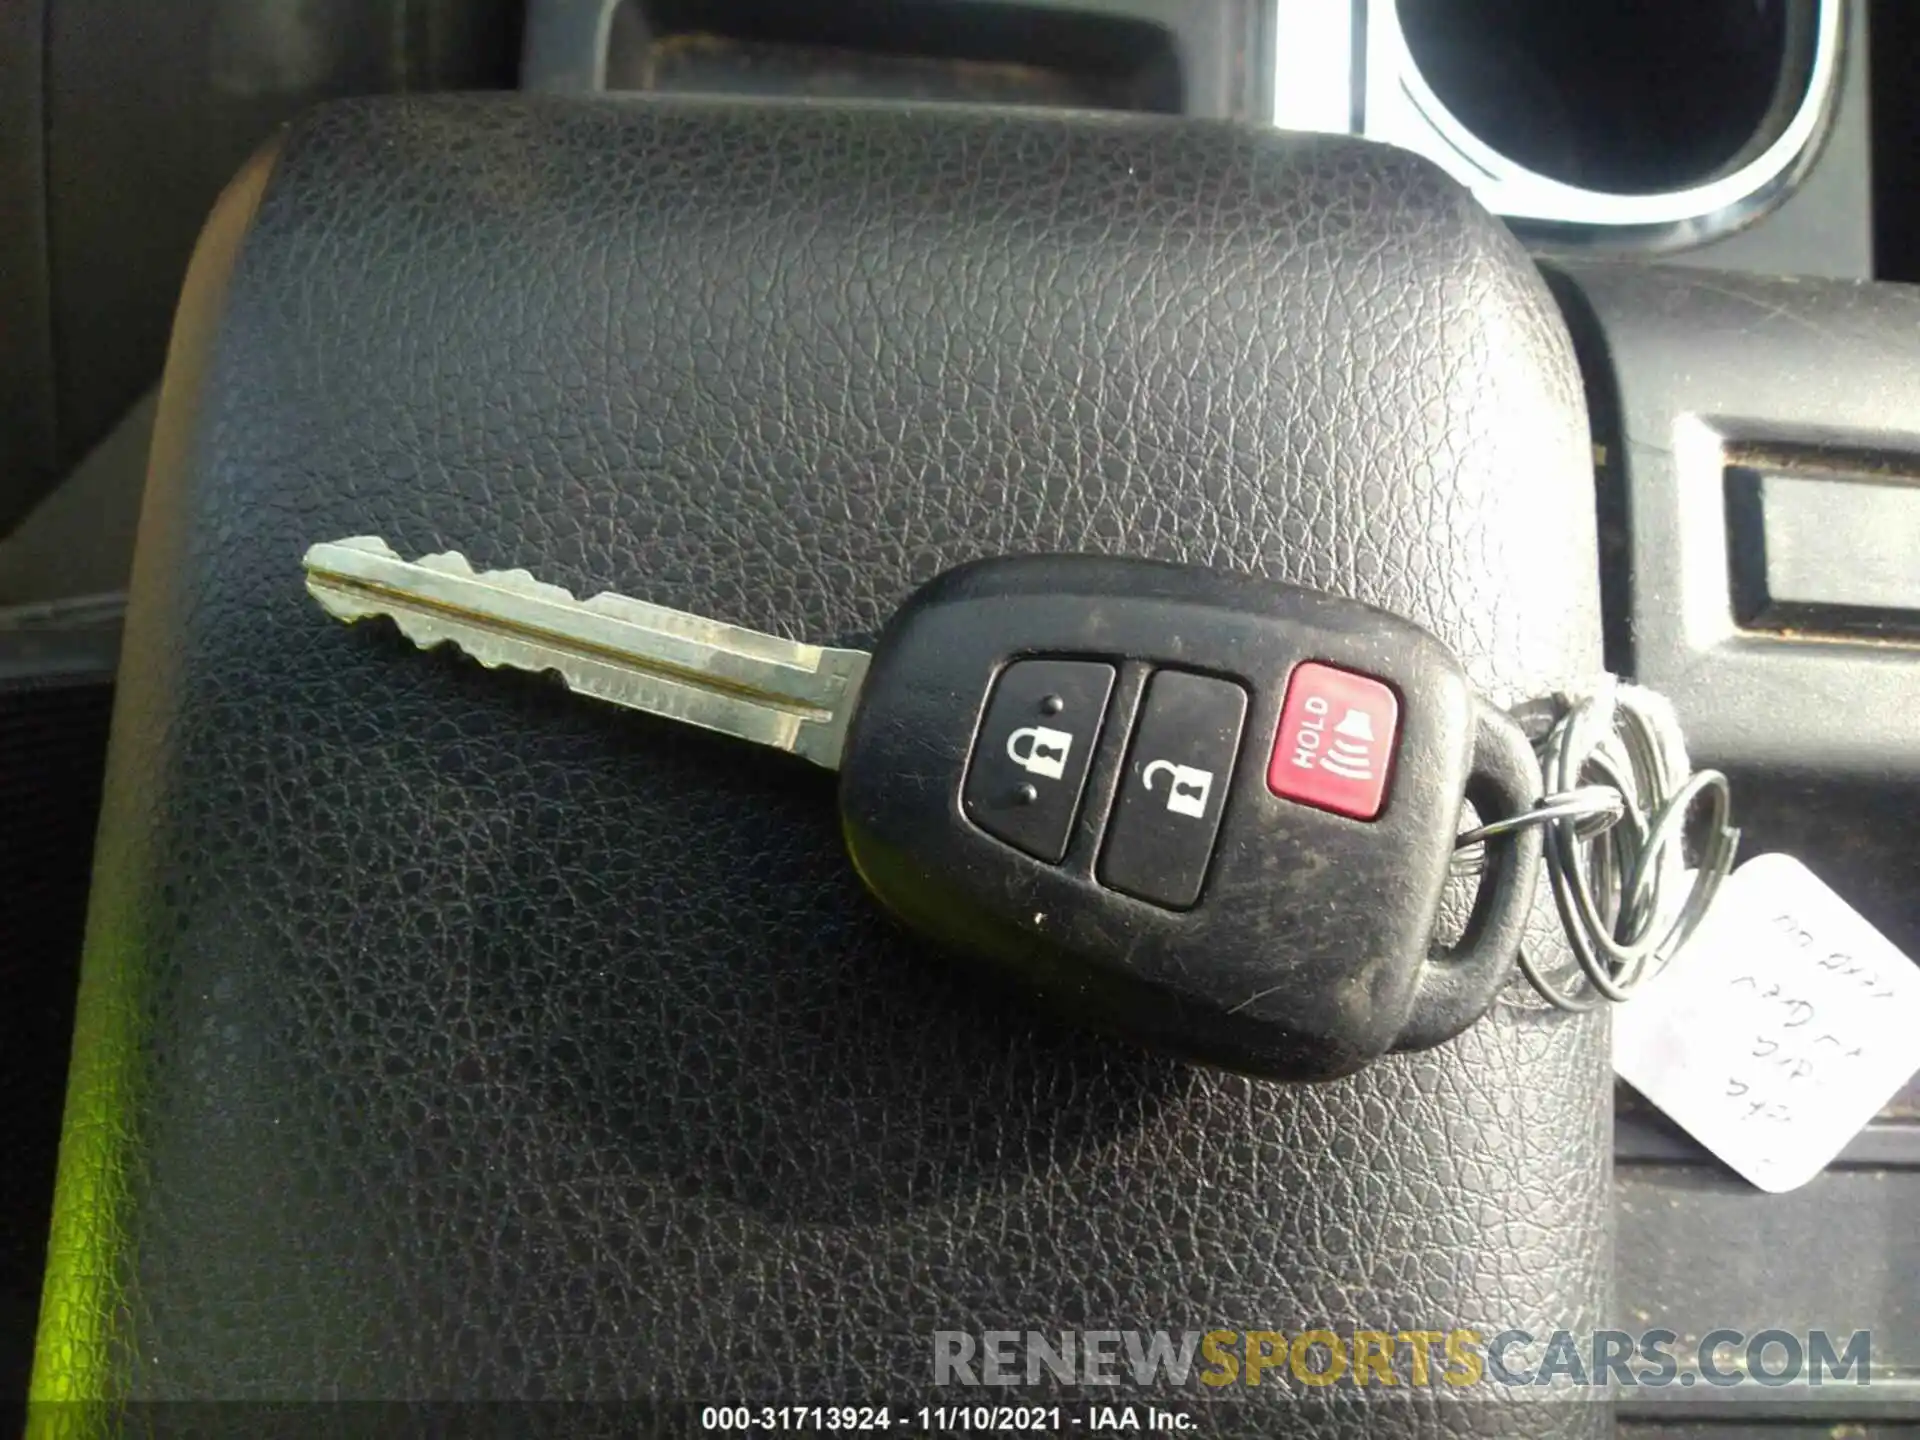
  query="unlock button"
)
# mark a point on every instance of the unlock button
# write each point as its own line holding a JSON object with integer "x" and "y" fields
{"x": 1175, "y": 788}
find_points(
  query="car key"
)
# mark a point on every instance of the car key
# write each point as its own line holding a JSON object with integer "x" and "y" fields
{"x": 1210, "y": 812}
{"x": 644, "y": 657}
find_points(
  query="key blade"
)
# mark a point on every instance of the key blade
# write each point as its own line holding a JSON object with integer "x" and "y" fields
{"x": 644, "y": 657}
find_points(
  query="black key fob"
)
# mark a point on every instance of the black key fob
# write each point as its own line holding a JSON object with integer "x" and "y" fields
{"x": 1210, "y": 812}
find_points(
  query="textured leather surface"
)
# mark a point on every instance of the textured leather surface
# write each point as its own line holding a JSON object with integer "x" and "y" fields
{"x": 483, "y": 1042}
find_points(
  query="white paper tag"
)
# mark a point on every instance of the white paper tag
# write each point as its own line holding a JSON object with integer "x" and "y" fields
{"x": 1779, "y": 1031}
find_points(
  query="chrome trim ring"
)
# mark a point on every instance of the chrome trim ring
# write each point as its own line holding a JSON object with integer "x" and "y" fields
{"x": 1317, "y": 69}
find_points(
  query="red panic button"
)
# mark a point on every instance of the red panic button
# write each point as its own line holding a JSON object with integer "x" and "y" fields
{"x": 1335, "y": 743}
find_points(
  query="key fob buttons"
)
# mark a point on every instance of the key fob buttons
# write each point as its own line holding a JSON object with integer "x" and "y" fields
{"x": 1174, "y": 789}
{"x": 1029, "y": 762}
{"x": 1180, "y": 880}
{"x": 1334, "y": 747}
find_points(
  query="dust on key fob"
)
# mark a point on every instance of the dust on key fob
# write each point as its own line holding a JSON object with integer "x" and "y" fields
{"x": 1211, "y": 812}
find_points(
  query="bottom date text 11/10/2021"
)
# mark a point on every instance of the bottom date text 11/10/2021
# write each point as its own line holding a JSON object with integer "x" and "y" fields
{"x": 1091, "y": 1419}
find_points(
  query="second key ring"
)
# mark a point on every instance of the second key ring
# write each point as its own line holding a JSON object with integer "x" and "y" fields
{"x": 1593, "y": 810}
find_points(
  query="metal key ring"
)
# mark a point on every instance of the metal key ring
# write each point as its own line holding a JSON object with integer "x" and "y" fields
{"x": 1583, "y": 805}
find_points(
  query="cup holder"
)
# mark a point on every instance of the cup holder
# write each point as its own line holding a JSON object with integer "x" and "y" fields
{"x": 1651, "y": 121}
{"x": 1643, "y": 97}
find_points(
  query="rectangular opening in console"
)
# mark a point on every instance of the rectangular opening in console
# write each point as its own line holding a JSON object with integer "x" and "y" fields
{"x": 1823, "y": 550}
{"x": 949, "y": 50}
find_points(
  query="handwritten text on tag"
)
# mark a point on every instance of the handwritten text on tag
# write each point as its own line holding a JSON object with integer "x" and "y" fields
{"x": 1781, "y": 1029}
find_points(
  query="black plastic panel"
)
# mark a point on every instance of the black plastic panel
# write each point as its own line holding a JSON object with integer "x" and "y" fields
{"x": 28, "y": 437}
{"x": 1698, "y": 384}
{"x": 119, "y": 123}
{"x": 1698, "y": 377}
{"x": 1701, "y": 1250}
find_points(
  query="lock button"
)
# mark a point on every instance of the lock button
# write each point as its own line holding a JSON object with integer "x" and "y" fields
{"x": 1030, "y": 759}
{"x": 1174, "y": 790}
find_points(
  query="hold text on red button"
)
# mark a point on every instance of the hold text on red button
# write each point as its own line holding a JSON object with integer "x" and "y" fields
{"x": 1335, "y": 743}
